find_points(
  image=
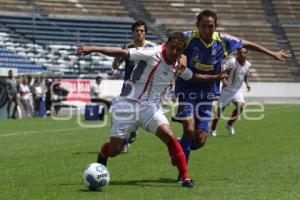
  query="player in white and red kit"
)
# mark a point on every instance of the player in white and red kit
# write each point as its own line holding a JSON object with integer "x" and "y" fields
{"x": 239, "y": 69}
{"x": 140, "y": 105}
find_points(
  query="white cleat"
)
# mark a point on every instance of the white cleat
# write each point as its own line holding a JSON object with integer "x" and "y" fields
{"x": 214, "y": 133}
{"x": 125, "y": 148}
{"x": 230, "y": 129}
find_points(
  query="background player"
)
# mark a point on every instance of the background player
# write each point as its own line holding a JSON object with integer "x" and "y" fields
{"x": 205, "y": 50}
{"x": 239, "y": 69}
{"x": 139, "y": 31}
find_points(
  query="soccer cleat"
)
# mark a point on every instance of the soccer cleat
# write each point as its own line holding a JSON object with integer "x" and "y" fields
{"x": 230, "y": 129}
{"x": 188, "y": 183}
{"x": 132, "y": 137}
{"x": 125, "y": 148}
{"x": 213, "y": 133}
{"x": 101, "y": 159}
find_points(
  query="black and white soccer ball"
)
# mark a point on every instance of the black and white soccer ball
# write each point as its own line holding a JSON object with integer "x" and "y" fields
{"x": 95, "y": 176}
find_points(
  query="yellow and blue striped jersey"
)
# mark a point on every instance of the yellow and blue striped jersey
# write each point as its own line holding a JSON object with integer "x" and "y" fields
{"x": 206, "y": 59}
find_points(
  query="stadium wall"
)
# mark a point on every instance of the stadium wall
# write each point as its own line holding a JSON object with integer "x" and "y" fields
{"x": 262, "y": 92}
{"x": 273, "y": 93}
{"x": 267, "y": 92}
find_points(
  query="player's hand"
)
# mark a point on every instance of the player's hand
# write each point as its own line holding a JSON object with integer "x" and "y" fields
{"x": 282, "y": 55}
{"x": 222, "y": 75}
{"x": 115, "y": 64}
{"x": 83, "y": 50}
{"x": 248, "y": 88}
{"x": 179, "y": 69}
{"x": 181, "y": 66}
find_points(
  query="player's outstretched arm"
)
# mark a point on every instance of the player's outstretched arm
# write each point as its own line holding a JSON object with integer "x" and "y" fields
{"x": 208, "y": 77}
{"x": 278, "y": 55}
{"x": 108, "y": 51}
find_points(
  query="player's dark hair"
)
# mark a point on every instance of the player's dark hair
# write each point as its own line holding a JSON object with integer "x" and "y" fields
{"x": 139, "y": 23}
{"x": 240, "y": 49}
{"x": 179, "y": 36}
{"x": 207, "y": 13}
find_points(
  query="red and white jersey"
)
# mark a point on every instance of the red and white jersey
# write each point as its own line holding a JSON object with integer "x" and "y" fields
{"x": 152, "y": 74}
{"x": 237, "y": 73}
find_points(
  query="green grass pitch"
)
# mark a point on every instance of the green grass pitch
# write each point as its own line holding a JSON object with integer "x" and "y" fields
{"x": 42, "y": 159}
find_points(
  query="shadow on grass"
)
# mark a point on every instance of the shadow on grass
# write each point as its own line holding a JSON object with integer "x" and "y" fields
{"x": 223, "y": 136}
{"x": 154, "y": 182}
{"x": 95, "y": 152}
{"x": 87, "y": 190}
{"x": 143, "y": 183}
{"x": 87, "y": 152}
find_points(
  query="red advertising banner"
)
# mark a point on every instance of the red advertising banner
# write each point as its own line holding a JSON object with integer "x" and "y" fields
{"x": 79, "y": 90}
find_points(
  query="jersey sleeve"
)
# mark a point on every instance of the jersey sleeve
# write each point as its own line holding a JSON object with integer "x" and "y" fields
{"x": 232, "y": 42}
{"x": 187, "y": 34}
{"x": 229, "y": 64}
{"x": 141, "y": 54}
{"x": 150, "y": 44}
{"x": 186, "y": 74}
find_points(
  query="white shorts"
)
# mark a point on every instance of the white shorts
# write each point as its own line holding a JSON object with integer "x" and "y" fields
{"x": 228, "y": 96}
{"x": 127, "y": 116}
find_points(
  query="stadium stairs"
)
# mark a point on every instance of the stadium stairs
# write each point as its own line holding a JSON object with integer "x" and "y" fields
{"x": 281, "y": 37}
{"x": 246, "y": 19}
{"x": 46, "y": 32}
{"x": 11, "y": 60}
{"x": 137, "y": 11}
{"x": 288, "y": 16}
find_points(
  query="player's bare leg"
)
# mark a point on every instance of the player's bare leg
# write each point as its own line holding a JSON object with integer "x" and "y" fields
{"x": 215, "y": 121}
{"x": 165, "y": 133}
{"x": 110, "y": 149}
{"x": 199, "y": 139}
{"x": 234, "y": 116}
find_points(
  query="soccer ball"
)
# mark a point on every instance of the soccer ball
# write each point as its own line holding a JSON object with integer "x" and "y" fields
{"x": 95, "y": 176}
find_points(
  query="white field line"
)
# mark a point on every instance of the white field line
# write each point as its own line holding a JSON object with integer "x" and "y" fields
{"x": 40, "y": 131}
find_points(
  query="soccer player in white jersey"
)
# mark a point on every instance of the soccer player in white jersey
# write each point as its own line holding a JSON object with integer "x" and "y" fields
{"x": 238, "y": 68}
{"x": 153, "y": 73}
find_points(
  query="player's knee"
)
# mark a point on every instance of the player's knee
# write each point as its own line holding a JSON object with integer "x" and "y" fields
{"x": 218, "y": 113}
{"x": 189, "y": 131}
{"x": 199, "y": 141}
{"x": 242, "y": 105}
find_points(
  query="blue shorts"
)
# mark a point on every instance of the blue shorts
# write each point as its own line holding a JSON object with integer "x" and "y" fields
{"x": 197, "y": 107}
